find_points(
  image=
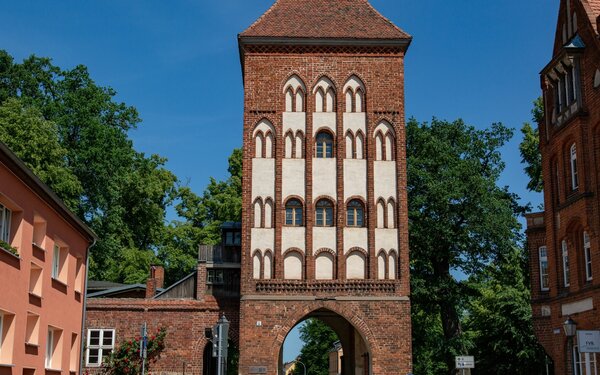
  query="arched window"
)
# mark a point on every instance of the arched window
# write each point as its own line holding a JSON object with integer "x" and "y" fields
{"x": 293, "y": 213}
{"x": 355, "y": 94}
{"x": 269, "y": 145}
{"x": 384, "y": 142}
{"x": 289, "y": 145}
{"x": 574, "y": 176}
{"x": 565, "y": 262}
{"x": 359, "y": 101}
{"x": 299, "y": 151}
{"x": 359, "y": 149}
{"x": 544, "y": 275}
{"x": 330, "y": 101}
{"x": 587, "y": 252}
{"x": 324, "y": 213}
{"x": 324, "y": 96}
{"x": 256, "y": 265}
{"x": 319, "y": 100}
{"x": 389, "y": 147}
{"x": 268, "y": 213}
{"x": 294, "y": 94}
{"x": 268, "y": 265}
{"x": 393, "y": 265}
{"x": 258, "y": 213}
{"x": 300, "y": 101}
{"x": 324, "y": 145}
{"x": 381, "y": 214}
{"x": 259, "y": 141}
{"x": 379, "y": 146}
{"x": 355, "y": 215}
{"x": 349, "y": 101}
{"x": 381, "y": 265}
{"x": 391, "y": 214}
{"x": 349, "y": 145}
{"x": 289, "y": 100}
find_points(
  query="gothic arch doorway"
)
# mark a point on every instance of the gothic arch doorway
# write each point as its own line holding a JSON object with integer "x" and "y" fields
{"x": 350, "y": 355}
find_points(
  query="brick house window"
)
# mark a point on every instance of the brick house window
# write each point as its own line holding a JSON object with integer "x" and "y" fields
{"x": 565, "y": 261}
{"x": 587, "y": 251}
{"x": 584, "y": 363}
{"x": 215, "y": 277}
{"x": 59, "y": 263}
{"x": 355, "y": 214}
{"x": 544, "y": 275}
{"x": 324, "y": 145}
{"x": 5, "y": 217}
{"x": 100, "y": 343}
{"x": 574, "y": 176}
{"x": 324, "y": 213}
{"x": 293, "y": 213}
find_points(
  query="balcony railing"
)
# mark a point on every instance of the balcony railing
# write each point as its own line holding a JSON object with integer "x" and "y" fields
{"x": 219, "y": 254}
{"x": 361, "y": 287}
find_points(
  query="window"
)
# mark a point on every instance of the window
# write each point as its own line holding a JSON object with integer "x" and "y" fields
{"x": 6, "y": 337}
{"x": 324, "y": 213}
{"x": 54, "y": 349}
{"x": 584, "y": 363}
{"x": 214, "y": 277}
{"x": 35, "y": 280}
{"x": 565, "y": 259}
{"x": 5, "y": 217}
{"x": 587, "y": 250}
{"x": 544, "y": 276}
{"x": 32, "y": 333}
{"x": 355, "y": 214}
{"x": 100, "y": 344}
{"x": 574, "y": 177}
{"x": 293, "y": 213}
{"x": 324, "y": 145}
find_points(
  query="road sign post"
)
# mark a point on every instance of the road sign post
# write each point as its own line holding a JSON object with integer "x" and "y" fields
{"x": 465, "y": 364}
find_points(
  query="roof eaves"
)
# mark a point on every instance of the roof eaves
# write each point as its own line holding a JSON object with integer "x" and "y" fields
{"x": 19, "y": 169}
{"x": 175, "y": 285}
{"x": 124, "y": 288}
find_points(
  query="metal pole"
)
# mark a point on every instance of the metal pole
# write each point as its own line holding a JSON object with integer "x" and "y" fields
{"x": 143, "y": 348}
{"x": 218, "y": 343}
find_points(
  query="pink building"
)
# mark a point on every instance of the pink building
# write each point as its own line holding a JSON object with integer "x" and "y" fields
{"x": 43, "y": 257}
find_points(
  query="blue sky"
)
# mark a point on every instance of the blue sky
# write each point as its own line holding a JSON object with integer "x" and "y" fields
{"x": 177, "y": 63}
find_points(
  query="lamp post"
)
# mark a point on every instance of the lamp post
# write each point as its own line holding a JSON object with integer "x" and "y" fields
{"x": 570, "y": 328}
{"x": 303, "y": 365}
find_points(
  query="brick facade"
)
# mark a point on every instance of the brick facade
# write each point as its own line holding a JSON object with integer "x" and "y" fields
{"x": 572, "y": 207}
{"x": 370, "y": 314}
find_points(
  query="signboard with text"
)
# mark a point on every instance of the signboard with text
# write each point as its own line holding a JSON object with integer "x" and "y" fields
{"x": 588, "y": 341}
{"x": 465, "y": 362}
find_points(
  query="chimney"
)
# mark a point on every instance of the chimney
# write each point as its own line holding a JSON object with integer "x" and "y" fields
{"x": 155, "y": 281}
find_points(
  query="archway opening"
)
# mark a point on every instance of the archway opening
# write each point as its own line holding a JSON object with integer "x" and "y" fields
{"x": 324, "y": 342}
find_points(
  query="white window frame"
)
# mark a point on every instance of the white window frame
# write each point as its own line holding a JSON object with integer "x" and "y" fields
{"x": 566, "y": 266}
{"x": 100, "y": 347}
{"x": 543, "y": 259}
{"x": 587, "y": 251}
{"x": 56, "y": 262}
{"x": 574, "y": 176}
{"x": 5, "y": 219}
{"x": 49, "y": 347}
{"x": 583, "y": 362}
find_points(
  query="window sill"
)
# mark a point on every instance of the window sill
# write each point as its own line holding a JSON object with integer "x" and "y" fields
{"x": 35, "y": 295}
{"x": 10, "y": 253}
{"x": 9, "y": 365}
{"x": 59, "y": 282}
{"x": 38, "y": 247}
{"x": 31, "y": 345}
{"x": 52, "y": 369}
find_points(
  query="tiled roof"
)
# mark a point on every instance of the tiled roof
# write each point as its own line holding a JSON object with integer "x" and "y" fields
{"x": 324, "y": 19}
{"x": 594, "y": 10}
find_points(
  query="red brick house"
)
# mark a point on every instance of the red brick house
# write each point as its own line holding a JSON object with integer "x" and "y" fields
{"x": 564, "y": 240}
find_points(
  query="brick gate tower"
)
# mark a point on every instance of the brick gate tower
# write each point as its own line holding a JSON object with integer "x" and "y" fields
{"x": 325, "y": 227}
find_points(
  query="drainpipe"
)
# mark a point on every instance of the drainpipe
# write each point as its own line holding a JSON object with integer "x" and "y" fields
{"x": 84, "y": 314}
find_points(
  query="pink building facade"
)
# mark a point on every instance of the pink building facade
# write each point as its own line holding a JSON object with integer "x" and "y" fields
{"x": 43, "y": 257}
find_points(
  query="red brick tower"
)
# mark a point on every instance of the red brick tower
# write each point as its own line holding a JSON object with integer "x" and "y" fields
{"x": 564, "y": 240}
{"x": 325, "y": 228}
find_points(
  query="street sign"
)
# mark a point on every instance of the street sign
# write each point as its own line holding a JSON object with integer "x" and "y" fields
{"x": 465, "y": 362}
{"x": 588, "y": 341}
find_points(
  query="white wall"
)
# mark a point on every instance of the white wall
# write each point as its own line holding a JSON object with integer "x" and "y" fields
{"x": 262, "y": 239}
{"x": 294, "y": 121}
{"x": 324, "y": 267}
{"x": 385, "y": 179}
{"x": 293, "y": 178}
{"x": 355, "y": 178}
{"x": 293, "y": 237}
{"x": 355, "y": 266}
{"x": 324, "y": 237}
{"x": 324, "y": 177}
{"x": 355, "y": 237}
{"x": 386, "y": 239}
{"x": 355, "y": 122}
{"x": 324, "y": 120}
{"x": 263, "y": 178}
{"x": 292, "y": 266}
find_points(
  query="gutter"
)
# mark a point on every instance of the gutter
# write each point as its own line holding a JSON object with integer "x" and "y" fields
{"x": 84, "y": 312}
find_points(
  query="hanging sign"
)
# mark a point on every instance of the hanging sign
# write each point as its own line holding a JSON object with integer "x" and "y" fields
{"x": 588, "y": 341}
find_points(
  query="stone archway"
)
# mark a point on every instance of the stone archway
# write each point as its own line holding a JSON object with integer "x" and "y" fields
{"x": 356, "y": 357}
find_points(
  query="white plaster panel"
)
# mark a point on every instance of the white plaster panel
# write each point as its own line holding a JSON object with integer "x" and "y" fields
{"x": 294, "y": 121}
{"x": 355, "y": 237}
{"x": 355, "y": 266}
{"x": 355, "y": 122}
{"x": 577, "y": 307}
{"x": 324, "y": 267}
{"x": 292, "y": 266}
{"x": 293, "y": 237}
{"x": 323, "y": 120}
{"x": 262, "y": 239}
{"x": 293, "y": 178}
{"x": 324, "y": 177}
{"x": 263, "y": 178}
{"x": 385, "y": 179}
{"x": 386, "y": 239}
{"x": 381, "y": 266}
{"x": 355, "y": 178}
{"x": 256, "y": 266}
{"x": 324, "y": 237}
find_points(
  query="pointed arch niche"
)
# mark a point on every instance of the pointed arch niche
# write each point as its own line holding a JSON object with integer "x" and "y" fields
{"x": 385, "y": 141}
{"x": 324, "y": 93}
{"x": 295, "y": 94}
{"x": 264, "y": 140}
{"x": 354, "y": 91}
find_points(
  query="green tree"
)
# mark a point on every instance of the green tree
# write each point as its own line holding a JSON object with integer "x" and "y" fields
{"x": 530, "y": 148}
{"x": 460, "y": 220}
{"x": 318, "y": 340}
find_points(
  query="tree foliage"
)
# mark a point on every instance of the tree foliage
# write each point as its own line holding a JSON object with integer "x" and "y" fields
{"x": 530, "y": 148}
{"x": 460, "y": 222}
{"x": 318, "y": 340}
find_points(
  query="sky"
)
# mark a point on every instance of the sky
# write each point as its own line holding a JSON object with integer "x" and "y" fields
{"x": 177, "y": 62}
